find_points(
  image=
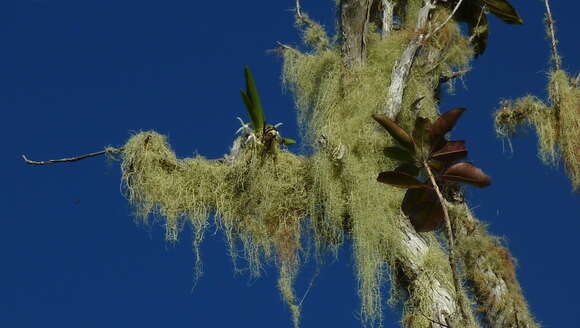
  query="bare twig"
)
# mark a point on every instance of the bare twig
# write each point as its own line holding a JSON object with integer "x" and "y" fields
{"x": 309, "y": 286}
{"x": 446, "y": 20}
{"x": 450, "y": 239}
{"x": 298, "y": 11}
{"x": 72, "y": 159}
{"x": 476, "y": 28}
{"x": 550, "y": 22}
{"x": 557, "y": 63}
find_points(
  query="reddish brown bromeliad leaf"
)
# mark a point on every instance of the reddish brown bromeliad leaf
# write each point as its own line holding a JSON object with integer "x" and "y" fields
{"x": 451, "y": 151}
{"x": 401, "y": 180}
{"x": 399, "y": 154}
{"x": 441, "y": 126}
{"x": 467, "y": 173}
{"x": 423, "y": 209}
{"x": 396, "y": 132}
{"x": 427, "y": 144}
{"x": 421, "y": 136}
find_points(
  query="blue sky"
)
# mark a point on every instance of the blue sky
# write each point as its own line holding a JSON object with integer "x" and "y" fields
{"x": 76, "y": 76}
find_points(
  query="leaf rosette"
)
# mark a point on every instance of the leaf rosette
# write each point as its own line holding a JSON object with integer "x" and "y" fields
{"x": 428, "y": 146}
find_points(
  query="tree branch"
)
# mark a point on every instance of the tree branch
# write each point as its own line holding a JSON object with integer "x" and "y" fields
{"x": 489, "y": 268}
{"x": 550, "y": 23}
{"x": 401, "y": 70}
{"x": 452, "y": 258}
{"x": 446, "y": 20}
{"x": 388, "y": 19}
{"x": 354, "y": 17}
{"x": 107, "y": 150}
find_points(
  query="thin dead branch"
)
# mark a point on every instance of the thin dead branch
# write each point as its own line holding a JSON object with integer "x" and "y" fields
{"x": 446, "y": 20}
{"x": 550, "y": 22}
{"x": 108, "y": 150}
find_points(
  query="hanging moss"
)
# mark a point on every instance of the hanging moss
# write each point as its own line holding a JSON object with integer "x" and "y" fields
{"x": 271, "y": 204}
{"x": 565, "y": 95}
{"x": 556, "y": 124}
{"x": 491, "y": 269}
{"x": 259, "y": 201}
{"x": 531, "y": 111}
{"x": 335, "y": 104}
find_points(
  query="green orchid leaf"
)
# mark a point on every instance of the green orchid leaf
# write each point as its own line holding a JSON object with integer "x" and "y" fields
{"x": 249, "y": 107}
{"x": 255, "y": 111}
{"x": 287, "y": 141}
{"x": 401, "y": 180}
{"x": 441, "y": 126}
{"x": 503, "y": 10}
{"x": 423, "y": 209}
{"x": 396, "y": 132}
{"x": 452, "y": 151}
{"x": 467, "y": 173}
{"x": 399, "y": 154}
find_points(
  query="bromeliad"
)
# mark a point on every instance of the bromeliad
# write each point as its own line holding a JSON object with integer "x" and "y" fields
{"x": 427, "y": 151}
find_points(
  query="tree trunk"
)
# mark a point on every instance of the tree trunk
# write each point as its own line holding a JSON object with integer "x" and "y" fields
{"x": 354, "y": 19}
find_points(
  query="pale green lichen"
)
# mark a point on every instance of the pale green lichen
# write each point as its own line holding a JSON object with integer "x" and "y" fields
{"x": 271, "y": 204}
{"x": 556, "y": 123}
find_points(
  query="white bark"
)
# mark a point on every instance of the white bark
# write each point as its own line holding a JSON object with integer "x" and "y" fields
{"x": 388, "y": 19}
{"x": 441, "y": 303}
{"x": 400, "y": 72}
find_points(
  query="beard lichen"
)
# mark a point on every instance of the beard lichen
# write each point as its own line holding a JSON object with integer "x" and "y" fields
{"x": 271, "y": 204}
{"x": 556, "y": 123}
{"x": 259, "y": 201}
{"x": 335, "y": 103}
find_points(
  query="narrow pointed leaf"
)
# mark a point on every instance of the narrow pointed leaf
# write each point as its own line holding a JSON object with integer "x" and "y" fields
{"x": 441, "y": 126}
{"x": 503, "y": 10}
{"x": 257, "y": 114}
{"x": 467, "y": 173}
{"x": 401, "y": 180}
{"x": 452, "y": 151}
{"x": 399, "y": 154}
{"x": 249, "y": 108}
{"x": 421, "y": 135}
{"x": 395, "y": 131}
{"x": 423, "y": 209}
{"x": 288, "y": 141}
{"x": 408, "y": 168}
